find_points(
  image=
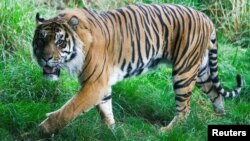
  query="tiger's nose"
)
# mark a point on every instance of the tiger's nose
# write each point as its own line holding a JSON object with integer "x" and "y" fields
{"x": 47, "y": 58}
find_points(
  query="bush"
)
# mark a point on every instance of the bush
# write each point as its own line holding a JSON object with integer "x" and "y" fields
{"x": 231, "y": 18}
{"x": 14, "y": 20}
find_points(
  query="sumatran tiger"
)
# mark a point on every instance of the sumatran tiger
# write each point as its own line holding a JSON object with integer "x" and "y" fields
{"x": 102, "y": 48}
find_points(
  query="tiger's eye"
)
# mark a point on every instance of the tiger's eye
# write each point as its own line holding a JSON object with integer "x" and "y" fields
{"x": 39, "y": 42}
{"x": 60, "y": 42}
{"x": 60, "y": 36}
{"x": 63, "y": 45}
{"x": 57, "y": 30}
{"x": 40, "y": 35}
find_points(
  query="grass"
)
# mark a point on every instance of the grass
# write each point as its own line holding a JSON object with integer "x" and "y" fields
{"x": 141, "y": 105}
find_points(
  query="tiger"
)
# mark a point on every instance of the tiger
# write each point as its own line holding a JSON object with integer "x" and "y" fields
{"x": 105, "y": 47}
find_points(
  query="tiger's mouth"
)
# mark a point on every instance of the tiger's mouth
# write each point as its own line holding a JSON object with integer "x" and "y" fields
{"x": 51, "y": 73}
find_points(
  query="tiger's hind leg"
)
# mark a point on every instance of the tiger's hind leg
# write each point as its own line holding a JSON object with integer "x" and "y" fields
{"x": 205, "y": 83}
{"x": 105, "y": 110}
{"x": 183, "y": 85}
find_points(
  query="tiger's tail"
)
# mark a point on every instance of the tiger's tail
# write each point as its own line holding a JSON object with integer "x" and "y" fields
{"x": 215, "y": 79}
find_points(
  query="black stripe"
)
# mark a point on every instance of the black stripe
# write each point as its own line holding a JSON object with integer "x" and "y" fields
{"x": 187, "y": 43}
{"x": 213, "y": 40}
{"x": 231, "y": 94}
{"x": 205, "y": 81}
{"x": 129, "y": 69}
{"x": 193, "y": 62}
{"x": 212, "y": 64}
{"x": 181, "y": 99}
{"x": 216, "y": 80}
{"x": 112, "y": 14}
{"x": 147, "y": 47}
{"x": 235, "y": 91}
{"x": 131, "y": 32}
{"x": 166, "y": 13}
{"x": 213, "y": 51}
{"x": 202, "y": 71}
{"x": 177, "y": 40}
{"x": 212, "y": 58}
{"x": 159, "y": 15}
{"x": 87, "y": 79}
{"x": 184, "y": 95}
{"x": 213, "y": 100}
{"x": 94, "y": 15}
{"x": 179, "y": 111}
{"x": 93, "y": 23}
{"x": 186, "y": 61}
{"x": 107, "y": 39}
{"x": 144, "y": 10}
{"x": 178, "y": 84}
{"x": 213, "y": 70}
{"x": 107, "y": 98}
{"x": 239, "y": 81}
{"x": 85, "y": 65}
{"x": 103, "y": 66}
{"x": 63, "y": 51}
{"x": 72, "y": 56}
{"x": 125, "y": 18}
{"x": 190, "y": 14}
{"x": 121, "y": 38}
{"x": 138, "y": 37}
{"x": 211, "y": 88}
{"x": 219, "y": 89}
{"x": 123, "y": 64}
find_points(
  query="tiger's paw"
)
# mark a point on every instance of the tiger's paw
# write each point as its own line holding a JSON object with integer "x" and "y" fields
{"x": 178, "y": 119}
{"x": 219, "y": 110}
{"x": 50, "y": 125}
{"x": 110, "y": 122}
{"x": 47, "y": 127}
{"x": 218, "y": 105}
{"x": 111, "y": 126}
{"x": 170, "y": 126}
{"x": 165, "y": 129}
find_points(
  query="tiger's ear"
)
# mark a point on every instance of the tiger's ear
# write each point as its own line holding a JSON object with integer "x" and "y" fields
{"x": 39, "y": 20}
{"x": 73, "y": 22}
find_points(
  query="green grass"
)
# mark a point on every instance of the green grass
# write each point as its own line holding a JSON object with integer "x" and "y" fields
{"x": 141, "y": 105}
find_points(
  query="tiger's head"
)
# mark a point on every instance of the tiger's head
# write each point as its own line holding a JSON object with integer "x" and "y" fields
{"x": 56, "y": 45}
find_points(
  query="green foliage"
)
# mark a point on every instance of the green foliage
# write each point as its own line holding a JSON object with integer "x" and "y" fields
{"x": 13, "y": 21}
{"x": 141, "y": 105}
{"x": 232, "y": 18}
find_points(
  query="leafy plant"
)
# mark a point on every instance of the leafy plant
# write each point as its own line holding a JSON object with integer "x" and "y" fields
{"x": 232, "y": 19}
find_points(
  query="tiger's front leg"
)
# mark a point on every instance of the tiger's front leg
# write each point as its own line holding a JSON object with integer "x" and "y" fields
{"x": 90, "y": 95}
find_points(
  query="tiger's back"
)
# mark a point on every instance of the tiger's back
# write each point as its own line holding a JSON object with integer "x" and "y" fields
{"x": 137, "y": 37}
